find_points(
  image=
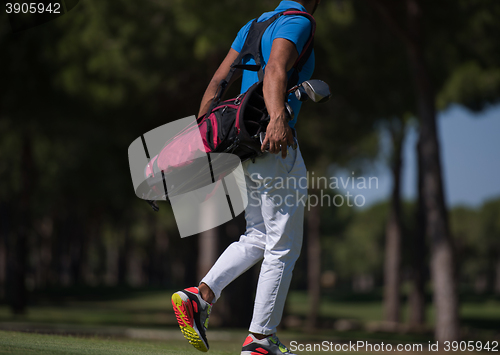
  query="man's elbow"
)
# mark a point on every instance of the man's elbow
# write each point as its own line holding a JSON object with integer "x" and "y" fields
{"x": 214, "y": 83}
{"x": 274, "y": 72}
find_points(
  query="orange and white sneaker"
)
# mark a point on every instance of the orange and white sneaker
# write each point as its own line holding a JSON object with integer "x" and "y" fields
{"x": 192, "y": 314}
{"x": 267, "y": 346}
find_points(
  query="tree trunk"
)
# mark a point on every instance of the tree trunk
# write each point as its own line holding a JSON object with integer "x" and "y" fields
{"x": 208, "y": 246}
{"x": 111, "y": 259}
{"x": 207, "y": 250}
{"x": 392, "y": 262}
{"x": 17, "y": 246}
{"x": 4, "y": 233}
{"x": 239, "y": 295}
{"x": 44, "y": 252}
{"x": 417, "y": 295}
{"x": 124, "y": 255}
{"x": 497, "y": 276}
{"x": 442, "y": 257}
{"x": 76, "y": 251}
{"x": 313, "y": 265}
{"x": 16, "y": 271}
{"x": 159, "y": 256}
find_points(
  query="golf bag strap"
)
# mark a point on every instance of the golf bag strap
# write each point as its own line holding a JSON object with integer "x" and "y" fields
{"x": 252, "y": 47}
{"x": 306, "y": 50}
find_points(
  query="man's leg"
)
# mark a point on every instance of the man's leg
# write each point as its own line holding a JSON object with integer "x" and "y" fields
{"x": 283, "y": 190}
{"x": 192, "y": 306}
{"x": 242, "y": 255}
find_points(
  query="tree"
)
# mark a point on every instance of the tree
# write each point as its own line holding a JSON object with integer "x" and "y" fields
{"x": 490, "y": 216}
{"x": 359, "y": 249}
{"x": 313, "y": 263}
{"x": 443, "y": 258}
{"x": 368, "y": 95}
{"x": 417, "y": 293}
{"x": 394, "y": 229}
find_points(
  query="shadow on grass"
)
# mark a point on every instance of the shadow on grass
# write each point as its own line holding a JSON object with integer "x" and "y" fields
{"x": 91, "y": 294}
{"x": 481, "y": 323}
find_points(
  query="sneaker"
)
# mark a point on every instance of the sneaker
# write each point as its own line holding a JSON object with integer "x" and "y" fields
{"x": 267, "y": 346}
{"x": 192, "y": 314}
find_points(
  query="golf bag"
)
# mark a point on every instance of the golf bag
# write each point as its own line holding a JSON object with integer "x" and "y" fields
{"x": 233, "y": 126}
{"x": 230, "y": 126}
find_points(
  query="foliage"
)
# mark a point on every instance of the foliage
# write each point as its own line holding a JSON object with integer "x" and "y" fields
{"x": 81, "y": 88}
{"x": 477, "y": 232}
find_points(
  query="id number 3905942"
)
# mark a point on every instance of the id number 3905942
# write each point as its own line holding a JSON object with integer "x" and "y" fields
{"x": 32, "y": 8}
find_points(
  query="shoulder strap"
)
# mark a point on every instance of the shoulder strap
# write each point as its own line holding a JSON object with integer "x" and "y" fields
{"x": 306, "y": 51}
{"x": 252, "y": 47}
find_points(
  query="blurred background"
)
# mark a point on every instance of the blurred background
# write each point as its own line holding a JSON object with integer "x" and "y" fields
{"x": 415, "y": 86}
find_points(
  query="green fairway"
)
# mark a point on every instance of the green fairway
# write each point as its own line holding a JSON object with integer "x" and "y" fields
{"x": 18, "y": 343}
{"x": 142, "y": 322}
{"x": 476, "y": 314}
{"x": 24, "y": 343}
{"x": 138, "y": 309}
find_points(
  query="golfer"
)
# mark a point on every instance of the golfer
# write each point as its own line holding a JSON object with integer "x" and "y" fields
{"x": 274, "y": 227}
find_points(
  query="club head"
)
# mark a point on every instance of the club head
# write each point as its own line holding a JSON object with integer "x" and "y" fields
{"x": 316, "y": 90}
{"x": 301, "y": 94}
{"x": 291, "y": 114}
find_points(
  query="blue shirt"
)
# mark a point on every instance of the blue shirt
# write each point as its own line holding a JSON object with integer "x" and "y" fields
{"x": 296, "y": 29}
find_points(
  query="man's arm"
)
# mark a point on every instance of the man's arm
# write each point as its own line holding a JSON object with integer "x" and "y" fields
{"x": 219, "y": 75}
{"x": 278, "y": 133}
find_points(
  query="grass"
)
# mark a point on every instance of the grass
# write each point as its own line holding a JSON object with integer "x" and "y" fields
{"x": 363, "y": 311}
{"x": 17, "y": 343}
{"x": 139, "y": 309}
{"x": 474, "y": 314}
{"x": 152, "y": 309}
{"x": 115, "y": 322}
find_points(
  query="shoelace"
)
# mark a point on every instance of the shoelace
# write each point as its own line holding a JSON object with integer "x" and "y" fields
{"x": 209, "y": 309}
{"x": 276, "y": 341}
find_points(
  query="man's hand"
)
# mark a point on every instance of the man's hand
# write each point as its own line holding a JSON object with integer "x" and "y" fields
{"x": 278, "y": 136}
{"x": 278, "y": 133}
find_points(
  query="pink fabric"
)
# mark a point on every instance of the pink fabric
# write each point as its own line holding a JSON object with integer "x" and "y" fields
{"x": 187, "y": 145}
{"x": 203, "y": 133}
{"x": 215, "y": 130}
{"x": 182, "y": 150}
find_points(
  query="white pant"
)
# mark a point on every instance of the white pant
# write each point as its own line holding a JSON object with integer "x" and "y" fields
{"x": 277, "y": 189}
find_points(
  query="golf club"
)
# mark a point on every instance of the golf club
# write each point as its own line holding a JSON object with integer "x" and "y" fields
{"x": 316, "y": 90}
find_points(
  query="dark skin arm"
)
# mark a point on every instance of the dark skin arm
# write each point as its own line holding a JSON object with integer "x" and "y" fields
{"x": 219, "y": 75}
{"x": 278, "y": 133}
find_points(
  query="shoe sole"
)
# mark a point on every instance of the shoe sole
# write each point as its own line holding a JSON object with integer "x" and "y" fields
{"x": 182, "y": 311}
{"x": 246, "y": 352}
